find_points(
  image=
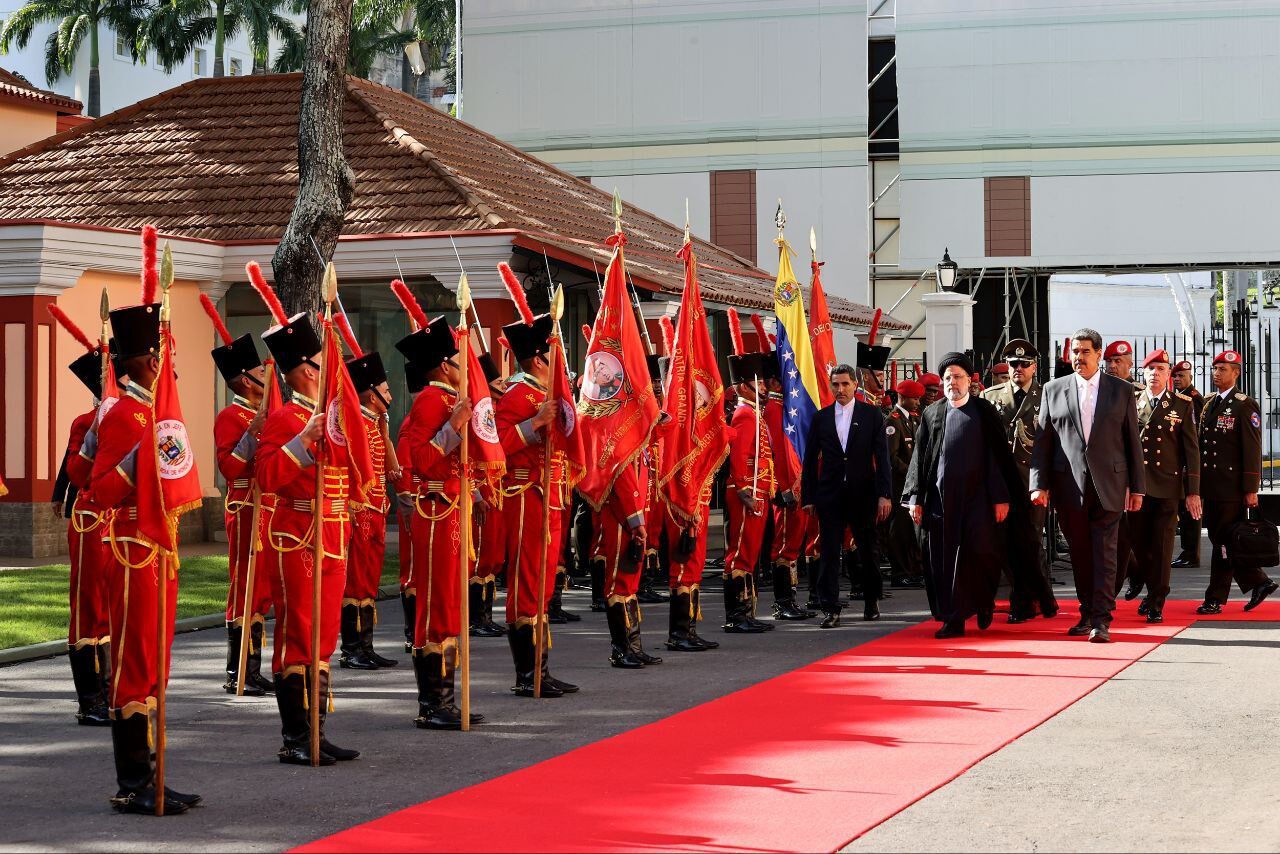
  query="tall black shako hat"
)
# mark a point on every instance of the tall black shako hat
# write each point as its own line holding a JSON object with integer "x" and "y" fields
{"x": 770, "y": 368}
{"x": 88, "y": 365}
{"x": 365, "y": 369}
{"x": 292, "y": 340}
{"x": 431, "y": 342}
{"x": 236, "y": 355}
{"x": 529, "y": 336}
{"x": 870, "y": 355}
{"x": 743, "y": 366}
{"x": 137, "y": 327}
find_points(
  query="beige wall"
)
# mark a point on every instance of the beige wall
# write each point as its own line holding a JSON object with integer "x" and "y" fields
{"x": 21, "y": 125}
{"x": 193, "y": 336}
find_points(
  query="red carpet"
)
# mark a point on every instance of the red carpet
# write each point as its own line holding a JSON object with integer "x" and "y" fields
{"x": 870, "y": 731}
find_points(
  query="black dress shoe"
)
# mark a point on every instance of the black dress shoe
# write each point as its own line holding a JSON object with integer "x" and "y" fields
{"x": 1019, "y": 617}
{"x": 645, "y": 658}
{"x": 1049, "y": 608}
{"x": 1262, "y": 591}
{"x": 549, "y": 691}
{"x": 1131, "y": 591}
{"x": 1100, "y": 634}
{"x": 743, "y": 627}
{"x": 871, "y": 613}
{"x": 985, "y": 616}
{"x": 342, "y": 754}
{"x": 182, "y": 797}
{"x": 1144, "y": 607}
{"x": 764, "y": 627}
{"x": 356, "y": 662}
{"x": 302, "y": 756}
{"x": 487, "y": 630}
{"x": 1184, "y": 562}
{"x": 788, "y": 611}
{"x": 559, "y": 684}
{"x": 1155, "y": 615}
{"x": 100, "y": 715}
{"x": 381, "y": 661}
{"x": 950, "y": 630}
{"x": 830, "y": 621}
{"x": 1210, "y": 607}
{"x": 684, "y": 645}
{"x": 144, "y": 803}
{"x": 625, "y": 660}
{"x": 1080, "y": 629}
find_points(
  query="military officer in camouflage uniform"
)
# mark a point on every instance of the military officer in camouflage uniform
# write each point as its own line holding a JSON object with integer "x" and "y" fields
{"x": 1018, "y": 404}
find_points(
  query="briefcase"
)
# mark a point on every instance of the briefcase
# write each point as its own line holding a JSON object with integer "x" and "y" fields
{"x": 1254, "y": 542}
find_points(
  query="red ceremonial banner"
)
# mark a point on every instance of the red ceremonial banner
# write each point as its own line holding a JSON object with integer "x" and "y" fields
{"x": 485, "y": 448}
{"x": 342, "y": 419}
{"x": 824, "y": 346}
{"x": 697, "y": 440}
{"x": 566, "y": 439}
{"x": 617, "y": 409}
{"x": 168, "y": 484}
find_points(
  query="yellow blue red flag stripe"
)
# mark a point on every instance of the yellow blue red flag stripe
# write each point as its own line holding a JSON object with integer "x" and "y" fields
{"x": 795, "y": 353}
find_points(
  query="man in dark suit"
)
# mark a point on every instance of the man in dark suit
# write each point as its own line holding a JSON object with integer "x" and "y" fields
{"x": 847, "y": 483}
{"x": 1184, "y": 383}
{"x": 1088, "y": 456}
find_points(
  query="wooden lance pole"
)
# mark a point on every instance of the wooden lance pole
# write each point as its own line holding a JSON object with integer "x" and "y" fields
{"x": 162, "y": 579}
{"x": 540, "y": 628}
{"x": 255, "y": 520}
{"x": 317, "y": 519}
{"x": 464, "y": 503}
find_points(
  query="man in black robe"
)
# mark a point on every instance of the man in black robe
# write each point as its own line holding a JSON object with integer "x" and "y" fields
{"x": 959, "y": 487}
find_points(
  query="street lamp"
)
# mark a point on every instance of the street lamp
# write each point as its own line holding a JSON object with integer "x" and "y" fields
{"x": 947, "y": 272}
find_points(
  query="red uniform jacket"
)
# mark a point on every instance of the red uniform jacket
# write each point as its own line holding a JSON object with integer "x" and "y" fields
{"x": 79, "y": 457}
{"x": 235, "y": 449}
{"x": 427, "y": 442}
{"x": 286, "y": 476}
{"x": 378, "y": 455}
{"x": 742, "y": 453}
{"x": 112, "y": 478}
{"x": 522, "y": 443}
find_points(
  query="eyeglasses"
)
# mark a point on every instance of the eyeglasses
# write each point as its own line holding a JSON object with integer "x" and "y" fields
{"x": 1017, "y": 363}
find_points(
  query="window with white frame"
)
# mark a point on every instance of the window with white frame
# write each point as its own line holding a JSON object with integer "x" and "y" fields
{"x": 237, "y": 67}
{"x": 200, "y": 62}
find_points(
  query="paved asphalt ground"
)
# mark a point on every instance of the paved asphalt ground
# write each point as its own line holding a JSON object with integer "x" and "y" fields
{"x": 1156, "y": 759}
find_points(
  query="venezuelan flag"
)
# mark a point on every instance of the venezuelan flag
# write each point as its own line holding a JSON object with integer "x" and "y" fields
{"x": 795, "y": 353}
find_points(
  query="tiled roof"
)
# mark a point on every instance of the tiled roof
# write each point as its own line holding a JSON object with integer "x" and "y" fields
{"x": 216, "y": 159}
{"x": 14, "y": 87}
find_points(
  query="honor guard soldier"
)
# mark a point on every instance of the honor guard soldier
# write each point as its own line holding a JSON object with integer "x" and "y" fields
{"x": 235, "y": 438}
{"x": 1171, "y": 456}
{"x": 999, "y": 373}
{"x": 137, "y": 577}
{"x": 285, "y": 468}
{"x": 749, "y": 491}
{"x": 491, "y": 543}
{"x": 1230, "y": 475}
{"x": 900, "y": 427}
{"x": 932, "y": 388}
{"x": 1018, "y": 404}
{"x": 432, "y": 438}
{"x": 1188, "y": 528}
{"x": 368, "y": 519}
{"x": 790, "y": 521}
{"x": 89, "y": 628}
{"x": 650, "y": 583}
{"x": 523, "y": 416}
{"x": 406, "y": 489}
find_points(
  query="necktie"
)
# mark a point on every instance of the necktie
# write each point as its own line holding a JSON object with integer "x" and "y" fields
{"x": 1086, "y": 412}
{"x": 1019, "y": 396}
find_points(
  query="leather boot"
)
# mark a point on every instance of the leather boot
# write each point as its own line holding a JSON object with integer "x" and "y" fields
{"x": 598, "y": 604}
{"x": 475, "y": 609}
{"x": 90, "y": 699}
{"x": 490, "y": 596}
{"x": 234, "y": 636}
{"x": 253, "y": 667}
{"x": 811, "y": 567}
{"x": 433, "y": 711}
{"x": 407, "y": 602}
{"x": 695, "y": 614}
{"x": 448, "y": 695}
{"x": 649, "y": 592}
{"x": 784, "y": 595}
{"x": 634, "y": 644}
{"x": 619, "y": 645}
{"x": 295, "y": 721}
{"x": 753, "y": 598}
{"x": 737, "y": 607}
{"x": 368, "y": 621}
{"x": 342, "y": 754}
{"x": 681, "y": 616}
{"x": 547, "y": 679}
{"x": 135, "y": 775}
{"x": 353, "y": 654}
{"x": 520, "y": 639}
{"x": 555, "y": 608}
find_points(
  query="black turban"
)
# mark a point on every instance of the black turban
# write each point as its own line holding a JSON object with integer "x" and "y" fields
{"x": 956, "y": 359}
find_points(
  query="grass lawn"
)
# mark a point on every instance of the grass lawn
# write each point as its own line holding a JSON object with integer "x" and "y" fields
{"x": 36, "y": 605}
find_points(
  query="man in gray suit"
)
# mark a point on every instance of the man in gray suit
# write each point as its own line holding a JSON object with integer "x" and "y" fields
{"x": 1088, "y": 456}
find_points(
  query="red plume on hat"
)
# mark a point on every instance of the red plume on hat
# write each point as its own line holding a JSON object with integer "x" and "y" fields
{"x": 150, "y": 273}
{"x": 76, "y": 332}
{"x": 344, "y": 326}
{"x": 267, "y": 293}
{"x": 668, "y": 334}
{"x": 516, "y": 290}
{"x": 735, "y": 332}
{"x": 416, "y": 315}
{"x": 586, "y": 332}
{"x": 218, "y": 326}
{"x": 758, "y": 322}
{"x": 875, "y": 327}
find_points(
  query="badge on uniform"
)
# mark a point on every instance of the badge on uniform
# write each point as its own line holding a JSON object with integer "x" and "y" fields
{"x": 1226, "y": 422}
{"x": 889, "y": 431}
{"x": 1255, "y": 420}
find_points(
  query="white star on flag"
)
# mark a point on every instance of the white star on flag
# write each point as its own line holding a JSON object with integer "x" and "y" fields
{"x": 791, "y": 428}
{"x": 786, "y": 356}
{"x": 793, "y": 373}
{"x": 795, "y": 413}
{"x": 795, "y": 392}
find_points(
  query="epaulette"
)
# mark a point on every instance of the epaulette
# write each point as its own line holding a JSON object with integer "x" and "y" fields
{"x": 896, "y": 414}
{"x": 1185, "y": 397}
{"x": 1241, "y": 396}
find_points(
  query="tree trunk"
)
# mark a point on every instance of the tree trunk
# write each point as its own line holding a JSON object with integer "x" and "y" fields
{"x": 326, "y": 183}
{"x": 95, "y": 76}
{"x": 219, "y": 40}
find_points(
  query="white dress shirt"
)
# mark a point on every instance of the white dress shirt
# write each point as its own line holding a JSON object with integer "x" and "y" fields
{"x": 844, "y": 418}
{"x": 1087, "y": 394}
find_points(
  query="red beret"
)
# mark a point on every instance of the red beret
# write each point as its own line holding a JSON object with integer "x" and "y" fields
{"x": 930, "y": 379}
{"x": 1154, "y": 357}
{"x": 1231, "y": 357}
{"x": 1000, "y": 368}
{"x": 1184, "y": 365}
{"x": 1117, "y": 348}
{"x": 910, "y": 388}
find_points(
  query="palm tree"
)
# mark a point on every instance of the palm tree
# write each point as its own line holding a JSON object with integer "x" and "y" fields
{"x": 177, "y": 27}
{"x": 375, "y": 30}
{"x": 75, "y": 20}
{"x": 433, "y": 25}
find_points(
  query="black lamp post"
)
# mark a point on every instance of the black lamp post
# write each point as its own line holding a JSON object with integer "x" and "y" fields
{"x": 948, "y": 270}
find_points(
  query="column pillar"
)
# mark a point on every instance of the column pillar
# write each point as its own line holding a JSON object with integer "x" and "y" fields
{"x": 948, "y": 321}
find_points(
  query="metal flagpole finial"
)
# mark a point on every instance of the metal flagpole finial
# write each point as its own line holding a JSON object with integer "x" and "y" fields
{"x": 330, "y": 282}
{"x": 686, "y": 219}
{"x": 464, "y": 299}
{"x": 104, "y": 310}
{"x": 780, "y": 218}
{"x": 166, "y": 280}
{"x": 557, "y": 304}
{"x": 617, "y": 211}
{"x": 813, "y": 242}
